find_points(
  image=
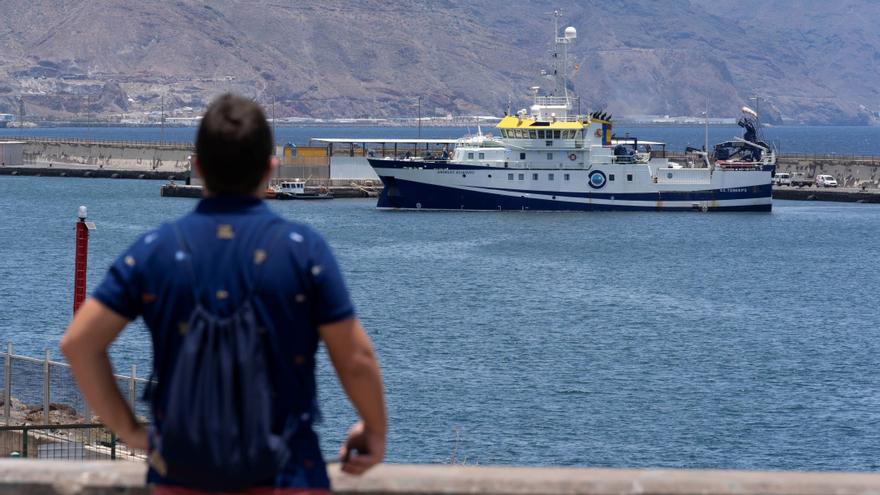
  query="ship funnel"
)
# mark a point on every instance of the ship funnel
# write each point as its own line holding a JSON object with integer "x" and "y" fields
{"x": 571, "y": 33}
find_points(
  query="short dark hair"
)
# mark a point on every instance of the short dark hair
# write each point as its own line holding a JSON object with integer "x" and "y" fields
{"x": 233, "y": 145}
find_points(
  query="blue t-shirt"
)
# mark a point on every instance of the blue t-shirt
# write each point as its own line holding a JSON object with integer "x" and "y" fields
{"x": 234, "y": 241}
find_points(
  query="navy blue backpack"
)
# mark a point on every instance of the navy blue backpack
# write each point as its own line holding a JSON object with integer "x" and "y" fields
{"x": 217, "y": 431}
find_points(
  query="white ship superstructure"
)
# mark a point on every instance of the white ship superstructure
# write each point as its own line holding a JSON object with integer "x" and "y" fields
{"x": 547, "y": 158}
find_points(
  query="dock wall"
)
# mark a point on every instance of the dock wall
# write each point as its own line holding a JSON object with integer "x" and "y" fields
{"x": 18, "y": 476}
{"x": 849, "y": 171}
{"x": 108, "y": 155}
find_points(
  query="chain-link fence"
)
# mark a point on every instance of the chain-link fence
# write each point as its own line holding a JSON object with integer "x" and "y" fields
{"x": 42, "y": 391}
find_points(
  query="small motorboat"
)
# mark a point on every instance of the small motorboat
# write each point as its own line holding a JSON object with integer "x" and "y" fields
{"x": 296, "y": 189}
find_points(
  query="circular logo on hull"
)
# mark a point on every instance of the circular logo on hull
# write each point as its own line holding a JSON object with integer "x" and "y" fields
{"x": 597, "y": 180}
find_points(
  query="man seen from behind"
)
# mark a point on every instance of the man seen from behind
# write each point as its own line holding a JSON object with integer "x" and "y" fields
{"x": 236, "y": 300}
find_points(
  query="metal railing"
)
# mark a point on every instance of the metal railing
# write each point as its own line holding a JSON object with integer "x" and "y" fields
{"x": 552, "y": 100}
{"x": 84, "y": 442}
{"x": 831, "y": 156}
{"x": 42, "y": 391}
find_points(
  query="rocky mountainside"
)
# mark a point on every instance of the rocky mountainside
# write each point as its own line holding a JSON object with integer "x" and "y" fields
{"x": 815, "y": 61}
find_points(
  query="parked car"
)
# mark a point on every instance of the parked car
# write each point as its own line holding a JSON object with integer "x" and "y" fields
{"x": 782, "y": 179}
{"x": 826, "y": 181}
{"x": 799, "y": 179}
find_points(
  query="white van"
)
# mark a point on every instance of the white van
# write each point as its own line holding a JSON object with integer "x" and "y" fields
{"x": 782, "y": 179}
{"x": 826, "y": 181}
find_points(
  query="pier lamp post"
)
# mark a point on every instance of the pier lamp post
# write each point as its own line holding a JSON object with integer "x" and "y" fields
{"x": 82, "y": 253}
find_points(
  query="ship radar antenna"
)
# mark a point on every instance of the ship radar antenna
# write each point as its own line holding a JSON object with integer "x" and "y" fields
{"x": 534, "y": 90}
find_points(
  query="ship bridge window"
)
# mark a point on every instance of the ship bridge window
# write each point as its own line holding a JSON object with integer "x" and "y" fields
{"x": 557, "y": 135}
{"x": 470, "y": 156}
{"x": 482, "y": 156}
{"x": 533, "y": 134}
{"x": 522, "y": 156}
{"x": 540, "y": 133}
{"x": 549, "y": 143}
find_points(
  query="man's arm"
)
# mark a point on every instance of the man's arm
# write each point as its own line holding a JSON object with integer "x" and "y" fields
{"x": 352, "y": 356}
{"x": 85, "y": 344}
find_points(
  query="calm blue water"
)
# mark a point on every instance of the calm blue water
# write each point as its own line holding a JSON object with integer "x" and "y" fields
{"x": 603, "y": 339}
{"x": 789, "y": 139}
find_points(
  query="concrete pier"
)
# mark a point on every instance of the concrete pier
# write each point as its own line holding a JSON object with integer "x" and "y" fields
{"x": 841, "y": 195}
{"x": 87, "y": 172}
{"x": 349, "y": 191}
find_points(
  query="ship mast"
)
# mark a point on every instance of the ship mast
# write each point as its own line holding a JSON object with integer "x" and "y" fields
{"x": 560, "y": 68}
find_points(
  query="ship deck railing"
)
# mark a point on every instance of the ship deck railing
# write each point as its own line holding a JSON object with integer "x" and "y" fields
{"x": 552, "y": 100}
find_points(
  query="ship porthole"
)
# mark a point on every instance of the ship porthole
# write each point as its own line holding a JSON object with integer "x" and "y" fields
{"x": 464, "y": 175}
{"x": 418, "y": 205}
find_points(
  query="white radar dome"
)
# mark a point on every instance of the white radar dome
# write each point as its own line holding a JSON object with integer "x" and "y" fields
{"x": 749, "y": 111}
{"x": 570, "y": 33}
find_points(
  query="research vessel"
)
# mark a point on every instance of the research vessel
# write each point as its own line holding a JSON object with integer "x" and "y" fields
{"x": 551, "y": 158}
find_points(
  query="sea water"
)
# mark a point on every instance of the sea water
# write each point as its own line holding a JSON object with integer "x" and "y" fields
{"x": 721, "y": 340}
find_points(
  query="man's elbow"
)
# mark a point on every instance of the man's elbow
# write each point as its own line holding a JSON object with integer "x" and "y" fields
{"x": 361, "y": 362}
{"x": 75, "y": 345}
{"x": 69, "y": 346}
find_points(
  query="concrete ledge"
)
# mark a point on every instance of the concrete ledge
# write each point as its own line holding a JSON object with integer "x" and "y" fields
{"x": 840, "y": 195}
{"x": 92, "y": 173}
{"x": 72, "y": 478}
{"x": 18, "y": 476}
